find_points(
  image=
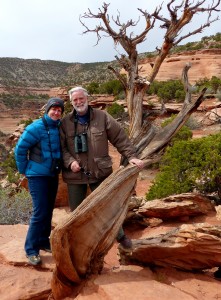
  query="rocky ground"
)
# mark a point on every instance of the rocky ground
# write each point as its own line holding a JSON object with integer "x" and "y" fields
{"x": 18, "y": 280}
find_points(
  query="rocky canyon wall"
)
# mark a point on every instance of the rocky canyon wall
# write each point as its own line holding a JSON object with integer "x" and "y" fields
{"x": 205, "y": 63}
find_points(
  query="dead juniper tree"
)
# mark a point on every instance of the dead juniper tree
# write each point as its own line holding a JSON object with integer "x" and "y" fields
{"x": 180, "y": 14}
{"x": 78, "y": 254}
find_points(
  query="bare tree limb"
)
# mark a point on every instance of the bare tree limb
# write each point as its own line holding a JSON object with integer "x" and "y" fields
{"x": 187, "y": 86}
{"x": 119, "y": 77}
{"x": 179, "y": 16}
{"x": 174, "y": 26}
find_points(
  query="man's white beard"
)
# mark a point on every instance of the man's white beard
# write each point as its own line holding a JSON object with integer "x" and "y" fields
{"x": 82, "y": 109}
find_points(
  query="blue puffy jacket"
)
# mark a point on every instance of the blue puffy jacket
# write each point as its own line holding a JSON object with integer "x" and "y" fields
{"x": 33, "y": 153}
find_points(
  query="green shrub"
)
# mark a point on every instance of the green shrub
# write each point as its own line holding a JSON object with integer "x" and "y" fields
{"x": 169, "y": 90}
{"x": 15, "y": 208}
{"x": 215, "y": 83}
{"x": 192, "y": 123}
{"x": 93, "y": 88}
{"x": 112, "y": 87}
{"x": 120, "y": 96}
{"x": 180, "y": 95}
{"x": 212, "y": 84}
{"x": 26, "y": 122}
{"x": 115, "y": 110}
{"x": 217, "y": 37}
{"x": 9, "y": 166}
{"x": 187, "y": 166}
{"x": 154, "y": 87}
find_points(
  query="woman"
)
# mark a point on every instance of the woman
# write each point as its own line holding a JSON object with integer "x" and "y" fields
{"x": 38, "y": 156}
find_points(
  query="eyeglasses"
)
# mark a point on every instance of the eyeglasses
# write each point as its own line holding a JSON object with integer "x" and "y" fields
{"x": 87, "y": 173}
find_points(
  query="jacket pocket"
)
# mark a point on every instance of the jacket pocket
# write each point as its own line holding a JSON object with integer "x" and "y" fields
{"x": 98, "y": 135}
{"x": 99, "y": 142}
{"x": 69, "y": 176}
{"x": 104, "y": 167}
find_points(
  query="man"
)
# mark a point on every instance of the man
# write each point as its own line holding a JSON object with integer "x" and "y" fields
{"x": 85, "y": 133}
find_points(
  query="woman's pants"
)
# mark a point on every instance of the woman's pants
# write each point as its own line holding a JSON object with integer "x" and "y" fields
{"x": 43, "y": 190}
{"x": 77, "y": 193}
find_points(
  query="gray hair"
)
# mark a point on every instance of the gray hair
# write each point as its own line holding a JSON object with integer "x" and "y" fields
{"x": 77, "y": 89}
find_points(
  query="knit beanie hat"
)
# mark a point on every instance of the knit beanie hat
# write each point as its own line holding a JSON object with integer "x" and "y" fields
{"x": 54, "y": 102}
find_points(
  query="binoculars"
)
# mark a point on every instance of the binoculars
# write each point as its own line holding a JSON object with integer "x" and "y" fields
{"x": 80, "y": 143}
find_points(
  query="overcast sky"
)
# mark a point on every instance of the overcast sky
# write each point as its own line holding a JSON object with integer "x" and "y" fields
{"x": 50, "y": 29}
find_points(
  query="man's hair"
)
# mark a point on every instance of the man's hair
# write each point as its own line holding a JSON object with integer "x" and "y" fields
{"x": 76, "y": 89}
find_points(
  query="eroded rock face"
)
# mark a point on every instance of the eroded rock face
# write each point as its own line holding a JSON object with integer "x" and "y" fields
{"x": 205, "y": 63}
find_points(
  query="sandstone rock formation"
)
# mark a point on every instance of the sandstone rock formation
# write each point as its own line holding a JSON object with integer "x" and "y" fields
{"x": 190, "y": 247}
{"x": 185, "y": 205}
{"x": 205, "y": 63}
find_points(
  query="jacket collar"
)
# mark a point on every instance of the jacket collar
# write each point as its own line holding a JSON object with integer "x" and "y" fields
{"x": 73, "y": 114}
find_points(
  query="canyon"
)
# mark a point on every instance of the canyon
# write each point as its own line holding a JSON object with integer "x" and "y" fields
{"x": 204, "y": 64}
{"x": 21, "y": 281}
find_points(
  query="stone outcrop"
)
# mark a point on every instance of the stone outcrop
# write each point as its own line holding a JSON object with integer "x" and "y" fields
{"x": 176, "y": 206}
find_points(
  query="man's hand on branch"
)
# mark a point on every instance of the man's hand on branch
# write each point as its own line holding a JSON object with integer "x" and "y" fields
{"x": 137, "y": 162}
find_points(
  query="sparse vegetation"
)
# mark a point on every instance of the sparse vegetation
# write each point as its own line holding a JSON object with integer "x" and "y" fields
{"x": 111, "y": 87}
{"x": 168, "y": 90}
{"x": 207, "y": 42}
{"x": 92, "y": 88}
{"x": 26, "y": 122}
{"x": 15, "y": 208}
{"x": 213, "y": 84}
{"x": 15, "y": 100}
{"x": 9, "y": 167}
{"x": 115, "y": 110}
{"x": 15, "y": 72}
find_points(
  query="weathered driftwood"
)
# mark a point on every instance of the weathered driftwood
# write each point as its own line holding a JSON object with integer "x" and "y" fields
{"x": 190, "y": 247}
{"x": 80, "y": 242}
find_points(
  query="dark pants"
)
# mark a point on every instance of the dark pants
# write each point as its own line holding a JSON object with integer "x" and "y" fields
{"x": 77, "y": 193}
{"x": 43, "y": 190}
